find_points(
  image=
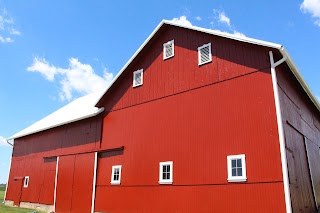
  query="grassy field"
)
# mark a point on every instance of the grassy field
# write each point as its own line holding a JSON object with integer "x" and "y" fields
{"x": 7, "y": 209}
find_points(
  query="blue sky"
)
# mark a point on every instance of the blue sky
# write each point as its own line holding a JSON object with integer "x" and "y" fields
{"x": 52, "y": 52}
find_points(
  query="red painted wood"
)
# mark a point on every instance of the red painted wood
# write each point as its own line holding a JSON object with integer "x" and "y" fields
{"x": 46, "y": 195}
{"x": 29, "y": 152}
{"x": 204, "y": 199}
{"x": 75, "y": 182}
{"x": 82, "y": 183}
{"x": 17, "y": 191}
{"x": 196, "y": 130}
{"x": 65, "y": 184}
{"x": 181, "y": 73}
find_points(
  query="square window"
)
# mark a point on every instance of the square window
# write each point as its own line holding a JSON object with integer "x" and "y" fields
{"x": 165, "y": 172}
{"x": 168, "y": 49}
{"x": 236, "y": 168}
{"x": 204, "y": 54}
{"x": 116, "y": 175}
{"x": 26, "y": 182}
{"x": 137, "y": 78}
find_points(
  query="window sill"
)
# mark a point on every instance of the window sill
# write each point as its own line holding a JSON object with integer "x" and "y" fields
{"x": 165, "y": 182}
{"x": 242, "y": 179}
{"x": 115, "y": 183}
{"x": 204, "y": 63}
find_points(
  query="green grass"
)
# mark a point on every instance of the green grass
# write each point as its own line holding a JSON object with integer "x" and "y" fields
{"x": 8, "y": 209}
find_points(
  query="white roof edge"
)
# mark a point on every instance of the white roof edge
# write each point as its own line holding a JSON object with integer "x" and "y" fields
{"x": 226, "y": 35}
{"x": 299, "y": 77}
{"x": 17, "y": 135}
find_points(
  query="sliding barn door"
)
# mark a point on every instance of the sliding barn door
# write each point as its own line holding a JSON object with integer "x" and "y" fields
{"x": 75, "y": 183}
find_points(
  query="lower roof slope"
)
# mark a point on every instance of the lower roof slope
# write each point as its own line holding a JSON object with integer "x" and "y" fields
{"x": 81, "y": 108}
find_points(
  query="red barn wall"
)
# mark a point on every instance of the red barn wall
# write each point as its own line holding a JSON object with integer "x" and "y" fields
{"x": 30, "y": 157}
{"x": 302, "y": 131}
{"x": 196, "y": 117}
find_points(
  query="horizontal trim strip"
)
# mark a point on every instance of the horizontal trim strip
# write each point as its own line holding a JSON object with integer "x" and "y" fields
{"x": 92, "y": 151}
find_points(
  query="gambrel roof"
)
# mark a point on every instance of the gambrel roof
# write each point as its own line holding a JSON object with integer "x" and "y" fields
{"x": 85, "y": 107}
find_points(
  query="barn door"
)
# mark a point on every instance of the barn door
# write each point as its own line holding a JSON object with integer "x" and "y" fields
{"x": 18, "y": 184}
{"x": 75, "y": 183}
{"x": 302, "y": 197}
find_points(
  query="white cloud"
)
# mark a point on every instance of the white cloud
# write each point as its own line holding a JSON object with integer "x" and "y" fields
{"x": 182, "y": 20}
{"x": 239, "y": 34}
{"x": 221, "y": 17}
{"x": 42, "y": 66}
{"x": 7, "y": 27}
{"x": 224, "y": 19}
{"x": 198, "y": 18}
{"x": 225, "y": 22}
{"x": 6, "y": 39}
{"x": 312, "y": 7}
{"x": 76, "y": 78}
{"x": 14, "y": 31}
{"x": 3, "y": 141}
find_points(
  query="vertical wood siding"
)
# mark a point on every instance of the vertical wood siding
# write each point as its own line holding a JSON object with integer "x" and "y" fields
{"x": 196, "y": 130}
{"x": 302, "y": 118}
{"x": 29, "y": 152}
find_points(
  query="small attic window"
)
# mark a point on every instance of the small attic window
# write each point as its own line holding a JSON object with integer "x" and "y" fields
{"x": 137, "y": 78}
{"x": 204, "y": 54}
{"x": 168, "y": 49}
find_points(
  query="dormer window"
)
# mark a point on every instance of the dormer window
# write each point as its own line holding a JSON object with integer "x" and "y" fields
{"x": 168, "y": 49}
{"x": 204, "y": 54}
{"x": 137, "y": 78}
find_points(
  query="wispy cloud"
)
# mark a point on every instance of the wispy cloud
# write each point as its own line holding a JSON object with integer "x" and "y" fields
{"x": 3, "y": 141}
{"x": 182, "y": 20}
{"x": 220, "y": 19}
{"x": 198, "y": 18}
{"x": 7, "y": 27}
{"x": 14, "y": 31}
{"x": 76, "y": 78}
{"x": 312, "y": 7}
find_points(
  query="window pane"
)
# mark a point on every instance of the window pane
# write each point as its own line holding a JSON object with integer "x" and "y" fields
{"x": 168, "y": 176}
{"x": 163, "y": 176}
{"x": 233, "y": 163}
{"x": 168, "y": 168}
{"x": 239, "y": 163}
{"x": 239, "y": 171}
{"x": 234, "y": 172}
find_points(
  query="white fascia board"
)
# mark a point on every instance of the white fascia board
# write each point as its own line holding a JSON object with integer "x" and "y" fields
{"x": 19, "y": 135}
{"x": 226, "y": 35}
{"x": 299, "y": 77}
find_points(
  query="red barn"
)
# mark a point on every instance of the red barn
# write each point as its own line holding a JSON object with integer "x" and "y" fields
{"x": 196, "y": 121}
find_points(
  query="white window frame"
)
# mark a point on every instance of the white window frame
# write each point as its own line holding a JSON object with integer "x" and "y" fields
{"x": 135, "y": 73}
{"x": 165, "y": 181}
{"x": 165, "y": 47}
{"x": 199, "y": 54}
{"x": 116, "y": 182}
{"x": 26, "y": 181}
{"x": 242, "y": 178}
